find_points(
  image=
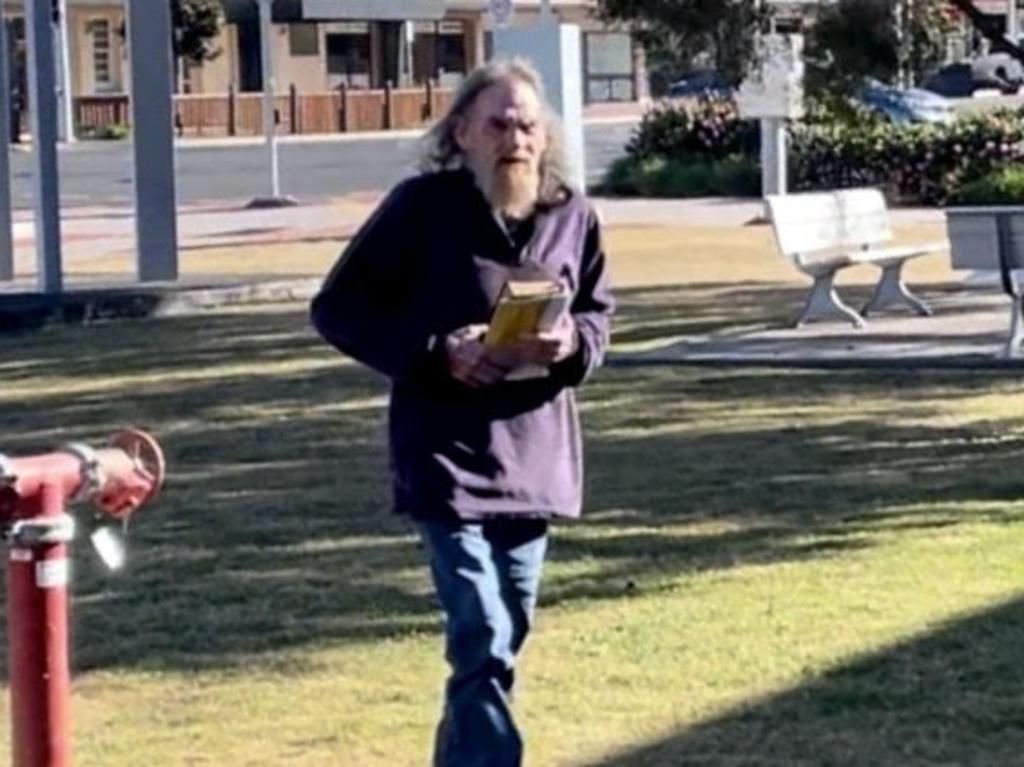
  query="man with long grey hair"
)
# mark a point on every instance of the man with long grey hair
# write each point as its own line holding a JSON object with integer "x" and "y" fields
{"x": 482, "y": 456}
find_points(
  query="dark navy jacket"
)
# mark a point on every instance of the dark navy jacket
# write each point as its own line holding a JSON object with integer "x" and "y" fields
{"x": 433, "y": 259}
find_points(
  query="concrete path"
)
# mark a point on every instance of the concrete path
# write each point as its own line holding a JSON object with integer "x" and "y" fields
{"x": 970, "y": 328}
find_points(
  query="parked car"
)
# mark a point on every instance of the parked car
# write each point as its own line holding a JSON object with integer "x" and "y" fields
{"x": 906, "y": 105}
{"x": 701, "y": 82}
{"x": 997, "y": 71}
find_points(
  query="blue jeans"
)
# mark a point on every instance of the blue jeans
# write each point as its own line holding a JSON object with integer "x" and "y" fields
{"x": 487, "y": 575}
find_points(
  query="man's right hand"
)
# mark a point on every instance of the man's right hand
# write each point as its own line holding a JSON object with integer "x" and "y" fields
{"x": 470, "y": 361}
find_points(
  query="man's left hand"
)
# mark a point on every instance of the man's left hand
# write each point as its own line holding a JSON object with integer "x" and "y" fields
{"x": 545, "y": 349}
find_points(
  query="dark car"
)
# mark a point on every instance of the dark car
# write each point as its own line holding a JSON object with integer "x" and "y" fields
{"x": 701, "y": 82}
{"x": 993, "y": 72}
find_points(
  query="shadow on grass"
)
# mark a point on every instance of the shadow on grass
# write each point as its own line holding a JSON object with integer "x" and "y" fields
{"x": 274, "y": 531}
{"x": 951, "y": 697}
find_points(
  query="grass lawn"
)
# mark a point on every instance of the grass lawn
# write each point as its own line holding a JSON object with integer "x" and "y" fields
{"x": 776, "y": 568}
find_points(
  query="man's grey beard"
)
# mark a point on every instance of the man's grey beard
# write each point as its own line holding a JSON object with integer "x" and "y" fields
{"x": 511, "y": 188}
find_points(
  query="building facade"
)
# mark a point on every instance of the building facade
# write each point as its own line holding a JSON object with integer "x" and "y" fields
{"x": 320, "y": 45}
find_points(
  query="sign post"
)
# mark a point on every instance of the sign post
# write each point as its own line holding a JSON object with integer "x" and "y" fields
{"x": 555, "y": 49}
{"x": 773, "y": 93}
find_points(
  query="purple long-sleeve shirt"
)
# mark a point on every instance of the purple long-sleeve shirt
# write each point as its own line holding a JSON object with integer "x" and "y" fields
{"x": 432, "y": 259}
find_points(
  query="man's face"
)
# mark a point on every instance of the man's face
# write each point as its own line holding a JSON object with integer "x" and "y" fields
{"x": 502, "y": 138}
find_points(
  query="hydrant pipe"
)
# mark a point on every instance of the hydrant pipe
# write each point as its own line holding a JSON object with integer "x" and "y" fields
{"x": 33, "y": 494}
{"x": 37, "y": 624}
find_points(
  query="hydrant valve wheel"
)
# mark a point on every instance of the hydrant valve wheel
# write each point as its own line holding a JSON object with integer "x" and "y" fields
{"x": 136, "y": 473}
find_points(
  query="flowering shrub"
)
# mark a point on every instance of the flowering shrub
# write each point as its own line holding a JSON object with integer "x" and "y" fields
{"x": 912, "y": 163}
{"x": 706, "y": 129}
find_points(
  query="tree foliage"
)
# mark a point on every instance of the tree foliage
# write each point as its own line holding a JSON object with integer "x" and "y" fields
{"x": 196, "y": 26}
{"x": 681, "y": 32}
{"x": 856, "y": 39}
{"x": 848, "y": 40}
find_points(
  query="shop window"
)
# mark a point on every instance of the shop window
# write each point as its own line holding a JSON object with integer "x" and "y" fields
{"x": 348, "y": 57}
{"x": 609, "y": 66}
{"x": 439, "y": 51}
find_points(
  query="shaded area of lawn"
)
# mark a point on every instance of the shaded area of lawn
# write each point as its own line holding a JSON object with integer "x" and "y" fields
{"x": 274, "y": 531}
{"x": 949, "y": 698}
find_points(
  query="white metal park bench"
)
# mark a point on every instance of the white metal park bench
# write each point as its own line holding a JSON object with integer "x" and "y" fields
{"x": 822, "y": 233}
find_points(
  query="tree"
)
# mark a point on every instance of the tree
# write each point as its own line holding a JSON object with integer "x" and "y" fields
{"x": 857, "y": 39}
{"x": 196, "y": 26}
{"x": 679, "y": 32}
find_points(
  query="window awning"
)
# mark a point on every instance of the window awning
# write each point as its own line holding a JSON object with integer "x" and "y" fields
{"x": 374, "y": 10}
{"x": 342, "y": 10}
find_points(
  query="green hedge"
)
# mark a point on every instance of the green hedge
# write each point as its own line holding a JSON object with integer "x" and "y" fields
{"x": 912, "y": 163}
{"x": 734, "y": 176}
{"x": 1002, "y": 187}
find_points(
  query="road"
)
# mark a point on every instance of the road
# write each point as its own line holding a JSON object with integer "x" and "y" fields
{"x": 100, "y": 173}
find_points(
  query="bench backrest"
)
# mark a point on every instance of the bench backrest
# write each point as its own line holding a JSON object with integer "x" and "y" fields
{"x": 865, "y": 217}
{"x": 815, "y": 227}
{"x": 805, "y": 223}
{"x": 975, "y": 240}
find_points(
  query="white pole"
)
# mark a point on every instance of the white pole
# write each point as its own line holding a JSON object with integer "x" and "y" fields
{"x": 408, "y": 41}
{"x": 1012, "y": 30}
{"x": 556, "y": 50}
{"x": 773, "y": 156}
{"x": 6, "y": 223}
{"x": 65, "y": 98}
{"x": 46, "y": 183}
{"x": 269, "y": 126}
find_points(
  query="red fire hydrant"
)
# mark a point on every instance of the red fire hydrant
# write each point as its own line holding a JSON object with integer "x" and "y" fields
{"x": 34, "y": 493}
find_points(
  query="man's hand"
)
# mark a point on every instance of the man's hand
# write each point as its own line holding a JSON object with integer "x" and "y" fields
{"x": 472, "y": 363}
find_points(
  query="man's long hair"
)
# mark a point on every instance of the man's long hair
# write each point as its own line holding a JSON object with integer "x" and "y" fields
{"x": 441, "y": 151}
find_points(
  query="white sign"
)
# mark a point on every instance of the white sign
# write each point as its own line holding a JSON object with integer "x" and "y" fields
{"x": 501, "y": 11}
{"x": 776, "y": 86}
{"x": 52, "y": 573}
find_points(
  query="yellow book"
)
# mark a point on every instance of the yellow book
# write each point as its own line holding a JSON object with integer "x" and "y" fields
{"x": 526, "y": 307}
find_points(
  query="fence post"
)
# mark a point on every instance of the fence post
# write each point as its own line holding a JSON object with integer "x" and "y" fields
{"x": 429, "y": 85}
{"x": 232, "y": 106}
{"x": 389, "y": 105}
{"x": 293, "y": 107}
{"x": 343, "y": 109}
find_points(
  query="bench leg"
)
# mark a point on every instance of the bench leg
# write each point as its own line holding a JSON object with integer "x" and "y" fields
{"x": 825, "y": 303}
{"x": 892, "y": 291}
{"x": 1013, "y": 343}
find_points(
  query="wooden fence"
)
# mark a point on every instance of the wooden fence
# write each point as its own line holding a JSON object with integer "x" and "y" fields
{"x": 240, "y": 114}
